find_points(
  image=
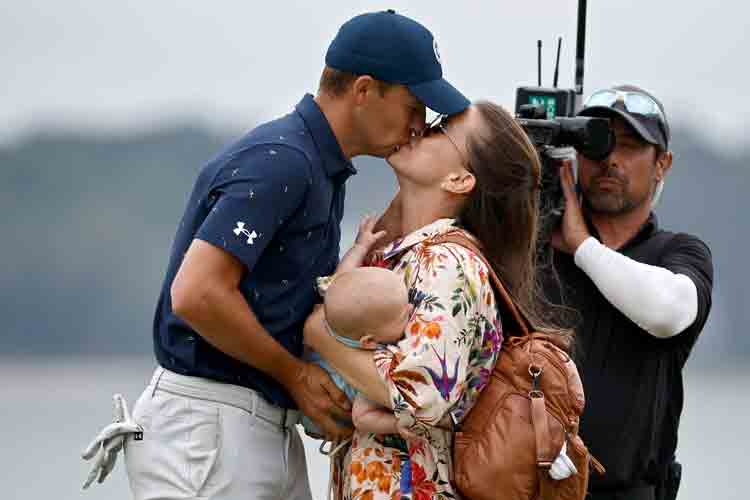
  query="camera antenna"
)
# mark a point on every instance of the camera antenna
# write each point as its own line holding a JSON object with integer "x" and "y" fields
{"x": 557, "y": 64}
{"x": 539, "y": 62}
{"x": 580, "y": 48}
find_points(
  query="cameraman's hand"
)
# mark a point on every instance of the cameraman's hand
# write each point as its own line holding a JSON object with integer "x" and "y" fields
{"x": 319, "y": 398}
{"x": 573, "y": 230}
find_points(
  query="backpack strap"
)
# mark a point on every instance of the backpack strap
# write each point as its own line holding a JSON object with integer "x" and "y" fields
{"x": 544, "y": 454}
{"x": 459, "y": 237}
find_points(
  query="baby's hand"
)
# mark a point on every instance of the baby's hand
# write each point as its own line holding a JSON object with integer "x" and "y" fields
{"x": 364, "y": 243}
{"x": 366, "y": 239}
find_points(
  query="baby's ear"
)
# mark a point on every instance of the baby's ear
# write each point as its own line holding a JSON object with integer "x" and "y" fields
{"x": 368, "y": 342}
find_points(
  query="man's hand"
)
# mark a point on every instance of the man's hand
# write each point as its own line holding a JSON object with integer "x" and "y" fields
{"x": 573, "y": 230}
{"x": 319, "y": 398}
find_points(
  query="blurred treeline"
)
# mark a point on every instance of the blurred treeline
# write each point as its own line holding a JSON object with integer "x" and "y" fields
{"x": 87, "y": 222}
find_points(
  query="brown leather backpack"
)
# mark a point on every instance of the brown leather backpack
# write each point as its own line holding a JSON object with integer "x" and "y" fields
{"x": 505, "y": 445}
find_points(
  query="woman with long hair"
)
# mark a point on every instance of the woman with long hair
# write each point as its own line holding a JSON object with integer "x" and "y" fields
{"x": 478, "y": 173}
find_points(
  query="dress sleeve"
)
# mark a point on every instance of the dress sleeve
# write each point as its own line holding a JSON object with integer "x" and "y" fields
{"x": 450, "y": 344}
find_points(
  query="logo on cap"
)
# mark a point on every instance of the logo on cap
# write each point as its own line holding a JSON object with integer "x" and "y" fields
{"x": 437, "y": 52}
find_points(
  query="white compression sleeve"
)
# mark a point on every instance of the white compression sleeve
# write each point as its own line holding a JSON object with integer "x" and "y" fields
{"x": 656, "y": 299}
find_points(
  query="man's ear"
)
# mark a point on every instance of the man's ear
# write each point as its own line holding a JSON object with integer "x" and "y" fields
{"x": 663, "y": 165}
{"x": 368, "y": 342}
{"x": 362, "y": 87}
{"x": 462, "y": 182}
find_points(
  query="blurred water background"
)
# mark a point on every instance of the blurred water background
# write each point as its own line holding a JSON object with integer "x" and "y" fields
{"x": 53, "y": 407}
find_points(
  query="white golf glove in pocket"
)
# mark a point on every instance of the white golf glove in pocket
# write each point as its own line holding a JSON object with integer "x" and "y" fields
{"x": 108, "y": 443}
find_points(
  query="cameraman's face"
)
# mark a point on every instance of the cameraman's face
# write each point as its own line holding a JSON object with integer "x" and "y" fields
{"x": 626, "y": 179}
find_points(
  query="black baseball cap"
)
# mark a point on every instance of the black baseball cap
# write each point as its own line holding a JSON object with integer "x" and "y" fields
{"x": 638, "y": 108}
{"x": 396, "y": 49}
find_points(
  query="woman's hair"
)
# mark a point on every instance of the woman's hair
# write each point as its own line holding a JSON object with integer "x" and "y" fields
{"x": 502, "y": 211}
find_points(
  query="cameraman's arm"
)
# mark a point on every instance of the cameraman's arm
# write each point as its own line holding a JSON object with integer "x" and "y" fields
{"x": 663, "y": 300}
{"x": 656, "y": 299}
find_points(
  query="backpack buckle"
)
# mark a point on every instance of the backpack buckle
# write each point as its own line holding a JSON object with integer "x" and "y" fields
{"x": 535, "y": 372}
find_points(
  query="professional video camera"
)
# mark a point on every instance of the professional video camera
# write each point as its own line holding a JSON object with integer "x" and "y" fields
{"x": 548, "y": 117}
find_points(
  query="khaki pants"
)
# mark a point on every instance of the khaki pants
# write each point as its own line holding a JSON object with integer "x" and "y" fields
{"x": 209, "y": 440}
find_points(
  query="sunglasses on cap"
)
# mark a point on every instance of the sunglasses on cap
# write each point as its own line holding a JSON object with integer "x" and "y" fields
{"x": 632, "y": 101}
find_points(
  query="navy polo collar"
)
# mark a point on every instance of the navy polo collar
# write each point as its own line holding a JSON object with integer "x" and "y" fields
{"x": 334, "y": 161}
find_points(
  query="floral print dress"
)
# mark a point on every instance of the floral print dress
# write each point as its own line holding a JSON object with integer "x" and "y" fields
{"x": 434, "y": 374}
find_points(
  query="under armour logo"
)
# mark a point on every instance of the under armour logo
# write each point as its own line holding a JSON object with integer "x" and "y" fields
{"x": 240, "y": 229}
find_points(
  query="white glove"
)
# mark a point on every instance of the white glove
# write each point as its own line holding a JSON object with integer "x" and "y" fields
{"x": 562, "y": 467}
{"x": 108, "y": 443}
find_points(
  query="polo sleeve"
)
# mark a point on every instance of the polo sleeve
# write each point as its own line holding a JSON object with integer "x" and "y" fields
{"x": 252, "y": 196}
{"x": 689, "y": 256}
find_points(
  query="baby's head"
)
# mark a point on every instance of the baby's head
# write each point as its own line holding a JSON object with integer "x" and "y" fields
{"x": 369, "y": 304}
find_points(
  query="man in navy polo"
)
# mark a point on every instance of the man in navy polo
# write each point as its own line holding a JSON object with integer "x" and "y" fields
{"x": 262, "y": 222}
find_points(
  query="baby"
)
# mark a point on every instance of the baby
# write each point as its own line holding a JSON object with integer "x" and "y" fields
{"x": 364, "y": 307}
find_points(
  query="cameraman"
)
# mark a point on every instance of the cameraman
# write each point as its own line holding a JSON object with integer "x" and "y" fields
{"x": 643, "y": 295}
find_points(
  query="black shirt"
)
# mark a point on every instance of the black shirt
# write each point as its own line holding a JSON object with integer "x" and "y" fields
{"x": 274, "y": 200}
{"x": 632, "y": 380}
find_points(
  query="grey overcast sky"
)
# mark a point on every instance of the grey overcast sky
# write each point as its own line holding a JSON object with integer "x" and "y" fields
{"x": 129, "y": 64}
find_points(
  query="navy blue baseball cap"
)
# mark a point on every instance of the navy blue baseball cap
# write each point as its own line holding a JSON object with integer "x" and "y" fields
{"x": 396, "y": 49}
